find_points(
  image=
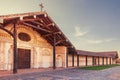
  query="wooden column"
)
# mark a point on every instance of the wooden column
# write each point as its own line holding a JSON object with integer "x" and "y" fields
{"x": 72, "y": 59}
{"x": 86, "y": 61}
{"x": 103, "y": 60}
{"x": 93, "y": 60}
{"x": 78, "y": 60}
{"x": 106, "y": 61}
{"x": 110, "y": 61}
{"x": 67, "y": 58}
{"x": 15, "y": 49}
{"x": 98, "y": 60}
{"x": 54, "y": 51}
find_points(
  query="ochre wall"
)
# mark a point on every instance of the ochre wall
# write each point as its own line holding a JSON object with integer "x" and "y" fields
{"x": 82, "y": 60}
{"x": 89, "y": 60}
{"x": 60, "y": 56}
{"x": 75, "y": 60}
{"x": 100, "y": 59}
{"x": 41, "y": 50}
{"x": 70, "y": 60}
{"x": 108, "y": 60}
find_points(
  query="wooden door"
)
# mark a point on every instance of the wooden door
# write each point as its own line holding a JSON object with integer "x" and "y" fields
{"x": 23, "y": 58}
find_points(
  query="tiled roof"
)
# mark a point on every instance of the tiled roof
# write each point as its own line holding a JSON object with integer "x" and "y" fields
{"x": 112, "y": 54}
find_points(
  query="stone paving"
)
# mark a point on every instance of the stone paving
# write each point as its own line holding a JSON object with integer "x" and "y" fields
{"x": 68, "y": 74}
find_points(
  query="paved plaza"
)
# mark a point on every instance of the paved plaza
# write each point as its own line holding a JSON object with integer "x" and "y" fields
{"x": 67, "y": 74}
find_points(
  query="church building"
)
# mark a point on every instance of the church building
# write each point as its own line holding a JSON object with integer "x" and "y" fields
{"x": 33, "y": 40}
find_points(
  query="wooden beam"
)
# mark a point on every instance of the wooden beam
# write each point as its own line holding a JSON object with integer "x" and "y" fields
{"x": 50, "y": 40}
{"x": 106, "y": 60}
{"x": 47, "y": 35}
{"x": 73, "y": 60}
{"x": 93, "y": 60}
{"x": 1, "y": 27}
{"x": 102, "y": 60}
{"x": 51, "y": 24}
{"x": 51, "y": 34}
{"x": 34, "y": 19}
{"x": 98, "y": 60}
{"x": 86, "y": 60}
{"x": 67, "y": 58}
{"x": 40, "y": 24}
{"x": 57, "y": 32}
{"x": 59, "y": 41}
{"x": 54, "y": 52}
{"x": 15, "y": 50}
{"x": 78, "y": 60}
{"x": 27, "y": 24}
{"x": 110, "y": 61}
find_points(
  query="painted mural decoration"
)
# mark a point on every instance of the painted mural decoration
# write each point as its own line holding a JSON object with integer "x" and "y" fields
{"x": 2, "y": 56}
{"x": 46, "y": 58}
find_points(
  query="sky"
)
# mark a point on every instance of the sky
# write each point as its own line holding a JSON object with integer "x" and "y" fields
{"x": 91, "y": 25}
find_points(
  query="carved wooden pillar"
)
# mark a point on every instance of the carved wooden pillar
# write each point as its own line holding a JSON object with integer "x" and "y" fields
{"x": 67, "y": 58}
{"x": 93, "y": 60}
{"x": 106, "y": 61}
{"x": 73, "y": 60}
{"x": 110, "y": 61}
{"x": 86, "y": 60}
{"x": 15, "y": 49}
{"x": 98, "y": 60}
{"x": 78, "y": 60}
{"x": 102, "y": 60}
{"x": 54, "y": 51}
{"x": 15, "y": 53}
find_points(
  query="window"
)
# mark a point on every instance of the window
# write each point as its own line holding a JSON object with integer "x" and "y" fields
{"x": 24, "y": 36}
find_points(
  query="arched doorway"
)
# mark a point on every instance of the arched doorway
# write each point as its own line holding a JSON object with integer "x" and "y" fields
{"x": 45, "y": 59}
{"x": 59, "y": 61}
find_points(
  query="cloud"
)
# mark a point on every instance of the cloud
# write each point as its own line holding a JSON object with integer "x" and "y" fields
{"x": 109, "y": 40}
{"x": 100, "y": 41}
{"x": 95, "y": 41}
{"x": 79, "y": 32}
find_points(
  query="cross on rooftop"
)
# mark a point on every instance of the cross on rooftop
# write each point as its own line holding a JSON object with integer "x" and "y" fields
{"x": 41, "y": 6}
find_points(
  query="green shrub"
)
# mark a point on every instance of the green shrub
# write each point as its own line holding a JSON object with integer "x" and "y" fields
{"x": 99, "y": 67}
